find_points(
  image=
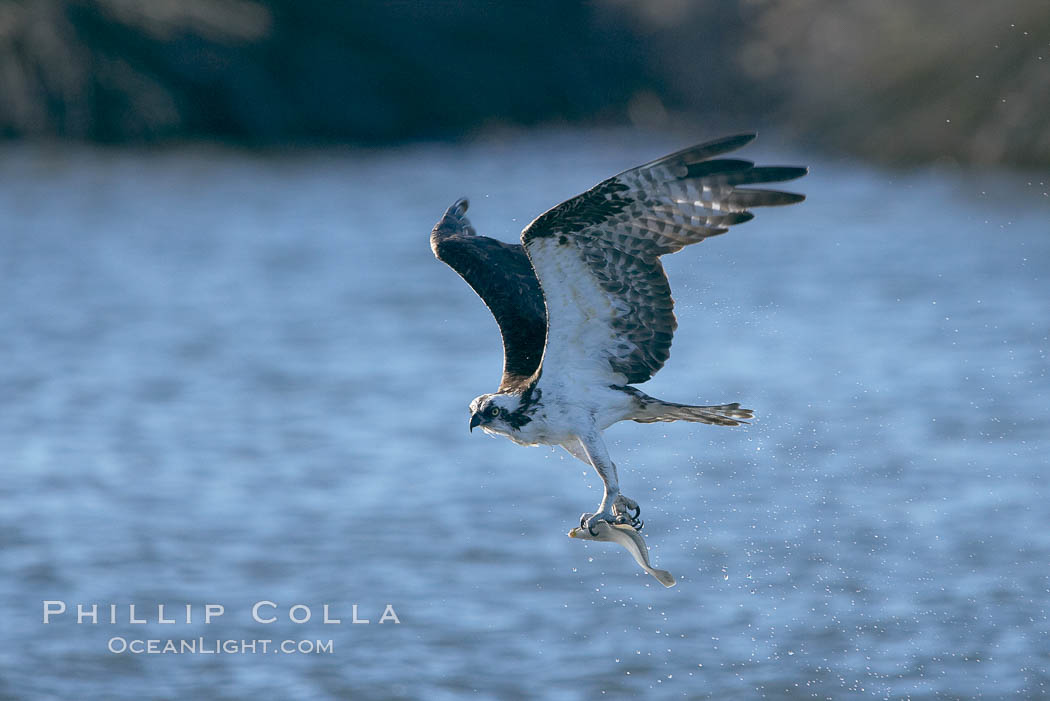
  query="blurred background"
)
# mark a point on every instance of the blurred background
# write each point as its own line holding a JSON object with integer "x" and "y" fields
{"x": 231, "y": 369}
{"x": 898, "y": 82}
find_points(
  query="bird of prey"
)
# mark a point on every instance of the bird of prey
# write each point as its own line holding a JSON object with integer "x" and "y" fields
{"x": 584, "y": 306}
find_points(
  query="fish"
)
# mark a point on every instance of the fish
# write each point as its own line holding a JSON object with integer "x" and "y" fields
{"x": 630, "y": 539}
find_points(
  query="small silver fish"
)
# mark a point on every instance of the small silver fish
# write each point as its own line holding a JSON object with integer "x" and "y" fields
{"x": 630, "y": 539}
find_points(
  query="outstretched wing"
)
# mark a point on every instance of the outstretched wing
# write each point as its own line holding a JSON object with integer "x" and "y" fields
{"x": 609, "y": 306}
{"x": 503, "y": 277}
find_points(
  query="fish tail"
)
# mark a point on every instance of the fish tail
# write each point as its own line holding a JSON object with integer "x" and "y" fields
{"x": 663, "y": 576}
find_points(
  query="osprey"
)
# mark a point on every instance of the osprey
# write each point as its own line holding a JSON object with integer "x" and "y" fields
{"x": 584, "y": 307}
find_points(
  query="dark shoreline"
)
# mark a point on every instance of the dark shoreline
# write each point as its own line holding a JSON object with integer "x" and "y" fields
{"x": 893, "y": 84}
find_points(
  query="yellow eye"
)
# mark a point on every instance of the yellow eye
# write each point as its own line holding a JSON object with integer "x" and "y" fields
{"x": 494, "y": 411}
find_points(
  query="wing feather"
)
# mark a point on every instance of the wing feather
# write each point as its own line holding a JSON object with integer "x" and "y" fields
{"x": 502, "y": 276}
{"x": 609, "y": 306}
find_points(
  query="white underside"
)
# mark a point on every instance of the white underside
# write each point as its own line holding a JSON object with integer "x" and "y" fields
{"x": 570, "y": 409}
{"x": 576, "y": 399}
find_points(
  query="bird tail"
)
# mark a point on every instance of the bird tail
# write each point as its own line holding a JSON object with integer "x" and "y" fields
{"x": 651, "y": 410}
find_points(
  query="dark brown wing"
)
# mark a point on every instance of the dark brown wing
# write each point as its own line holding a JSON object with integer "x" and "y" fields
{"x": 597, "y": 255}
{"x": 502, "y": 276}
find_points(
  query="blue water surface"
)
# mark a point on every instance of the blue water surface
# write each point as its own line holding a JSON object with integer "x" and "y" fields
{"x": 229, "y": 377}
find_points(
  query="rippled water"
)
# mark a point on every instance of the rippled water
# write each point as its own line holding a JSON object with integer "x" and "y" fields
{"x": 230, "y": 378}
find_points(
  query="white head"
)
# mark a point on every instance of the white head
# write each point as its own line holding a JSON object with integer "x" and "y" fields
{"x": 493, "y": 412}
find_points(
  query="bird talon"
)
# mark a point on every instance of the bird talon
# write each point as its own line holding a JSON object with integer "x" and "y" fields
{"x": 589, "y": 521}
{"x": 624, "y": 506}
{"x": 632, "y": 521}
{"x": 636, "y": 521}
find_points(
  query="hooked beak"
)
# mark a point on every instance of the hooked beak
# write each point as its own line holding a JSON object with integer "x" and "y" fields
{"x": 475, "y": 419}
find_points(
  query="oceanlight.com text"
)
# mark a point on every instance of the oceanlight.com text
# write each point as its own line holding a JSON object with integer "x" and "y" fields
{"x": 215, "y": 646}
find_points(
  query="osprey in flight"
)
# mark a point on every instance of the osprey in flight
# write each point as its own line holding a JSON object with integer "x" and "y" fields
{"x": 584, "y": 307}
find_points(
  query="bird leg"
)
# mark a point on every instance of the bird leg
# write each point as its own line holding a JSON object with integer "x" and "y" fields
{"x": 615, "y": 507}
{"x": 622, "y": 506}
